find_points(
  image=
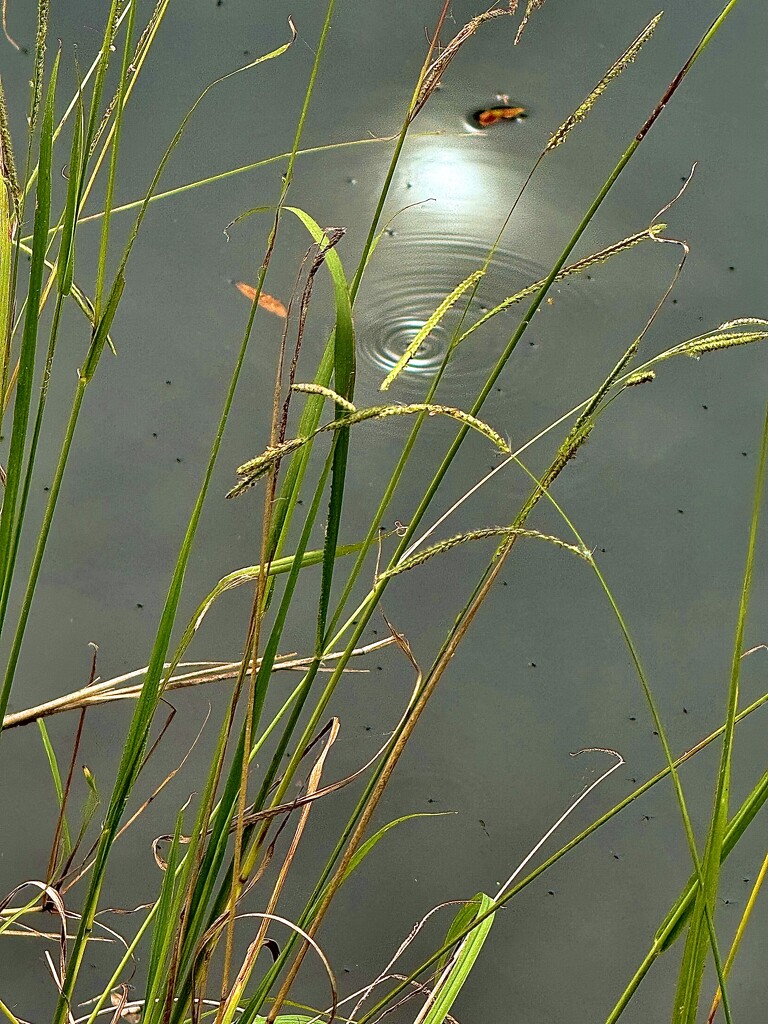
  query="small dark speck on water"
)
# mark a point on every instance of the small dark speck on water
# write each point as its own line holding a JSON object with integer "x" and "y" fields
{"x": 681, "y": 511}
{"x": 705, "y": 407}
{"x": 633, "y": 781}
{"x": 731, "y": 268}
{"x": 178, "y": 459}
{"x": 219, "y": 3}
{"x": 744, "y": 454}
{"x": 154, "y": 434}
{"x": 655, "y": 733}
{"x": 138, "y": 605}
{"x": 550, "y": 892}
{"x": 674, "y": 302}
{"x": 685, "y": 711}
{"x": 168, "y": 382}
{"x": 379, "y": 668}
{"x": 531, "y": 664}
{"x": 633, "y": 718}
{"x": 503, "y": 583}
{"x": 46, "y": 488}
{"x": 616, "y": 856}
{"x": 246, "y": 53}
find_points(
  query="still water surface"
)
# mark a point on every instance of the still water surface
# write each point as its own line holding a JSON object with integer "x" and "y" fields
{"x": 662, "y": 491}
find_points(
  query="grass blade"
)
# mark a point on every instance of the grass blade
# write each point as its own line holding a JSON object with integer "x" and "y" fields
{"x": 694, "y": 956}
{"x": 458, "y": 966}
{"x": 21, "y": 406}
{"x": 53, "y": 765}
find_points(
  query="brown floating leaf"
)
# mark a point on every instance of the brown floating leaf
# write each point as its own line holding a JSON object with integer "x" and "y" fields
{"x": 493, "y": 115}
{"x": 268, "y": 302}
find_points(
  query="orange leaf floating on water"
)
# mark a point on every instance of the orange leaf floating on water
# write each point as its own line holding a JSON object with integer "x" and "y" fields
{"x": 492, "y": 115}
{"x": 268, "y": 302}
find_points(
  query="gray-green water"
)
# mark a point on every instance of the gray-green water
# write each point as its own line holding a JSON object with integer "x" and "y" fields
{"x": 664, "y": 485}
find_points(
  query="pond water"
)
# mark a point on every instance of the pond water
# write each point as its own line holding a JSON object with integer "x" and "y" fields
{"x": 662, "y": 491}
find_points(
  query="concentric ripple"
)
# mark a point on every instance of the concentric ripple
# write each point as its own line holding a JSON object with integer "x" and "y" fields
{"x": 409, "y": 276}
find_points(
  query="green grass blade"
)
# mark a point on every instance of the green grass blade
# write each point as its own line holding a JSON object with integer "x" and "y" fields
{"x": 740, "y": 931}
{"x": 694, "y": 956}
{"x": 21, "y": 407}
{"x": 91, "y": 805}
{"x": 66, "y": 260}
{"x": 151, "y": 691}
{"x": 217, "y": 847}
{"x": 344, "y": 320}
{"x": 340, "y": 353}
{"x": 101, "y": 334}
{"x": 679, "y": 915}
{"x": 114, "y": 155}
{"x": 455, "y": 972}
{"x": 240, "y": 577}
{"x": 53, "y": 765}
{"x": 373, "y": 840}
{"x": 9, "y": 217}
{"x": 107, "y": 46}
{"x": 165, "y": 919}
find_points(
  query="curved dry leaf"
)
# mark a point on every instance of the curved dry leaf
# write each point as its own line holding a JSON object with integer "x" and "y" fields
{"x": 268, "y": 302}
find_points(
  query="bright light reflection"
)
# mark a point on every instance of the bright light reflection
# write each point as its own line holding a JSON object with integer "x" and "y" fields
{"x": 452, "y": 173}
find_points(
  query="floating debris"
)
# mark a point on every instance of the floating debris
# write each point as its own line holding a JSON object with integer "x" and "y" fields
{"x": 493, "y": 115}
{"x": 268, "y": 302}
